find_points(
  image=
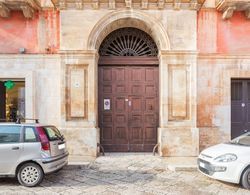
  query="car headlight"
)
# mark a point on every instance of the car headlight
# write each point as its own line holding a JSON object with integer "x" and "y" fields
{"x": 226, "y": 158}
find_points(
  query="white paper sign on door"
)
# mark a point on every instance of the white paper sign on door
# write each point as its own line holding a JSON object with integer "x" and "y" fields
{"x": 106, "y": 104}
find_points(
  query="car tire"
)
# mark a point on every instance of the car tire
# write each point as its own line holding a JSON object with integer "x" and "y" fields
{"x": 245, "y": 180}
{"x": 30, "y": 174}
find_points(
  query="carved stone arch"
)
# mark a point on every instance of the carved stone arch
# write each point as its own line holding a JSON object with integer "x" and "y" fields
{"x": 128, "y": 18}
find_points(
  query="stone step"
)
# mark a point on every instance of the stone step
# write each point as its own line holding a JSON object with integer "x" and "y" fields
{"x": 181, "y": 163}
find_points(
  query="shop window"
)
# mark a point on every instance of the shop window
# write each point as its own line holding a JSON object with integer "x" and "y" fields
{"x": 12, "y": 99}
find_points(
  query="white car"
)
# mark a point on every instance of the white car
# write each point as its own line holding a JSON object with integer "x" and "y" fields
{"x": 228, "y": 162}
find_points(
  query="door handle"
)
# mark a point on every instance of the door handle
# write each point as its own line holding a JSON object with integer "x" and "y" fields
{"x": 15, "y": 148}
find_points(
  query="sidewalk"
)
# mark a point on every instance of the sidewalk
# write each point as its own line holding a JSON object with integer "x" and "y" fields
{"x": 170, "y": 163}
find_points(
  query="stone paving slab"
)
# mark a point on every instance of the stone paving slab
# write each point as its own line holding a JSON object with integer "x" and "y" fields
{"x": 124, "y": 174}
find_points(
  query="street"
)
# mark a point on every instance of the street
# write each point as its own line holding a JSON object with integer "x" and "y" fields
{"x": 123, "y": 174}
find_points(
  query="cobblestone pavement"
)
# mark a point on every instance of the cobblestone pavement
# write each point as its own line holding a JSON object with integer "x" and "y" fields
{"x": 123, "y": 174}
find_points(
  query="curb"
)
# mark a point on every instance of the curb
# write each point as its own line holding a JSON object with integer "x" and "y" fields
{"x": 182, "y": 167}
{"x": 77, "y": 165}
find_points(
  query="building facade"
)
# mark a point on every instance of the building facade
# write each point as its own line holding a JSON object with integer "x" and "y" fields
{"x": 129, "y": 75}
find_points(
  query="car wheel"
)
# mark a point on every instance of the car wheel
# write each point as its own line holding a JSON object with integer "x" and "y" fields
{"x": 245, "y": 180}
{"x": 30, "y": 174}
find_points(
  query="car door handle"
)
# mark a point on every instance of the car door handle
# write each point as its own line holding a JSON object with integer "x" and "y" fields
{"x": 15, "y": 148}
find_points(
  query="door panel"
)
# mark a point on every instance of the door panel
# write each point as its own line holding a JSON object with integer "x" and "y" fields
{"x": 2, "y": 101}
{"x": 131, "y": 122}
{"x": 247, "y": 105}
{"x": 240, "y": 107}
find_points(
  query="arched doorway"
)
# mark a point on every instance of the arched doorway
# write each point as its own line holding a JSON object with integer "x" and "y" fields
{"x": 128, "y": 91}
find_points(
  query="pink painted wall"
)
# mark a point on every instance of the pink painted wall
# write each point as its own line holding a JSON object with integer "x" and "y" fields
{"x": 216, "y": 35}
{"x": 37, "y": 35}
{"x": 52, "y": 31}
{"x": 16, "y": 32}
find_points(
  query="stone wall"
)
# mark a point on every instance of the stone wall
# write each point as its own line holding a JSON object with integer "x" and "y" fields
{"x": 42, "y": 74}
{"x": 214, "y": 96}
{"x": 223, "y": 55}
{"x": 76, "y": 30}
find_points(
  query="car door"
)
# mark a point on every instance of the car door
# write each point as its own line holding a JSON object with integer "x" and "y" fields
{"x": 10, "y": 148}
{"x": 31, "y": 145}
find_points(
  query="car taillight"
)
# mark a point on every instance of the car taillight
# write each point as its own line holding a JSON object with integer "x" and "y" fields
{"x": 43, "y": 138}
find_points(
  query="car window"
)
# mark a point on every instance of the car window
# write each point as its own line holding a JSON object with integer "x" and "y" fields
{"x": 10, "y": 134}
{"x": 242, "y": 140}
{"x": 29, "y": 134}
{"x": 53, "y": 133}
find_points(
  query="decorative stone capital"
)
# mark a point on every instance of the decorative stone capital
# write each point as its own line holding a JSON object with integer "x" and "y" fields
{"x": 228, "y": 13}
{"x": 62, "y": 4}
{"x": 128, "y": 3}
{"x": 79, "y": 4}
{"x": 111, "y": 4}
{"x": 4, "y": 11}
{"x": 144, "y": 4}
{"x": 194, "y": 5}
{"x": 177, "y": 4}
{"x": 161, "y": 4}
{"x": 28, "y": 11}
{"x": 247, "y": 13}
{"x": 28, "y": 7}
{"x": 229, "y": 6}
{"x": 95, "y": 4}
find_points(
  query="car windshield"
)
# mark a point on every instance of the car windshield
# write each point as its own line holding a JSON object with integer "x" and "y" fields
{"x": 242, "y": 140}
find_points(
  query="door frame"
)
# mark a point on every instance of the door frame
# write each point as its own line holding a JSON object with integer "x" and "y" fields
{"x": 2, "y": 101}
{"x": 28, "y": 78}
{"x": 133, "y": 61}
{"x": 128, "y": 60}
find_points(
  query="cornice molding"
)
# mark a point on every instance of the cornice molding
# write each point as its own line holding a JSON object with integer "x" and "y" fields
{"x": 27, "y": 57}
{"x": 177, "y": 53}
{"x": 128, "y": 4}
{"x": 227, "y": 7}
{"x": 206, "y": 56}
{"x": 78, "y": 53}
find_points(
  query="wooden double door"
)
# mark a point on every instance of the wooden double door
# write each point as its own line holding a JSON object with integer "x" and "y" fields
{"x": 128, "y": 107}
{"x": 240, "y": 107}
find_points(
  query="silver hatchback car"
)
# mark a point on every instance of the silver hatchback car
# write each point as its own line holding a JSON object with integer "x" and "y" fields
{"x": 28, "y": 151}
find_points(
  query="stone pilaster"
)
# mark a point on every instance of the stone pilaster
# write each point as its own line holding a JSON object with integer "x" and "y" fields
{"x": 79, "y": 81}
{"x": 178, "y": 134}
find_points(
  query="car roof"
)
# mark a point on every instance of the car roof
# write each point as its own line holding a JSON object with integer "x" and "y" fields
{"x": 22, "y": 124}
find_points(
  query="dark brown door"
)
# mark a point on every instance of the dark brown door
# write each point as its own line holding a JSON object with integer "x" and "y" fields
{"x": 2, "y": 101}
{"x": 240, "y": 107}
{"x": 128, "y": 107}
